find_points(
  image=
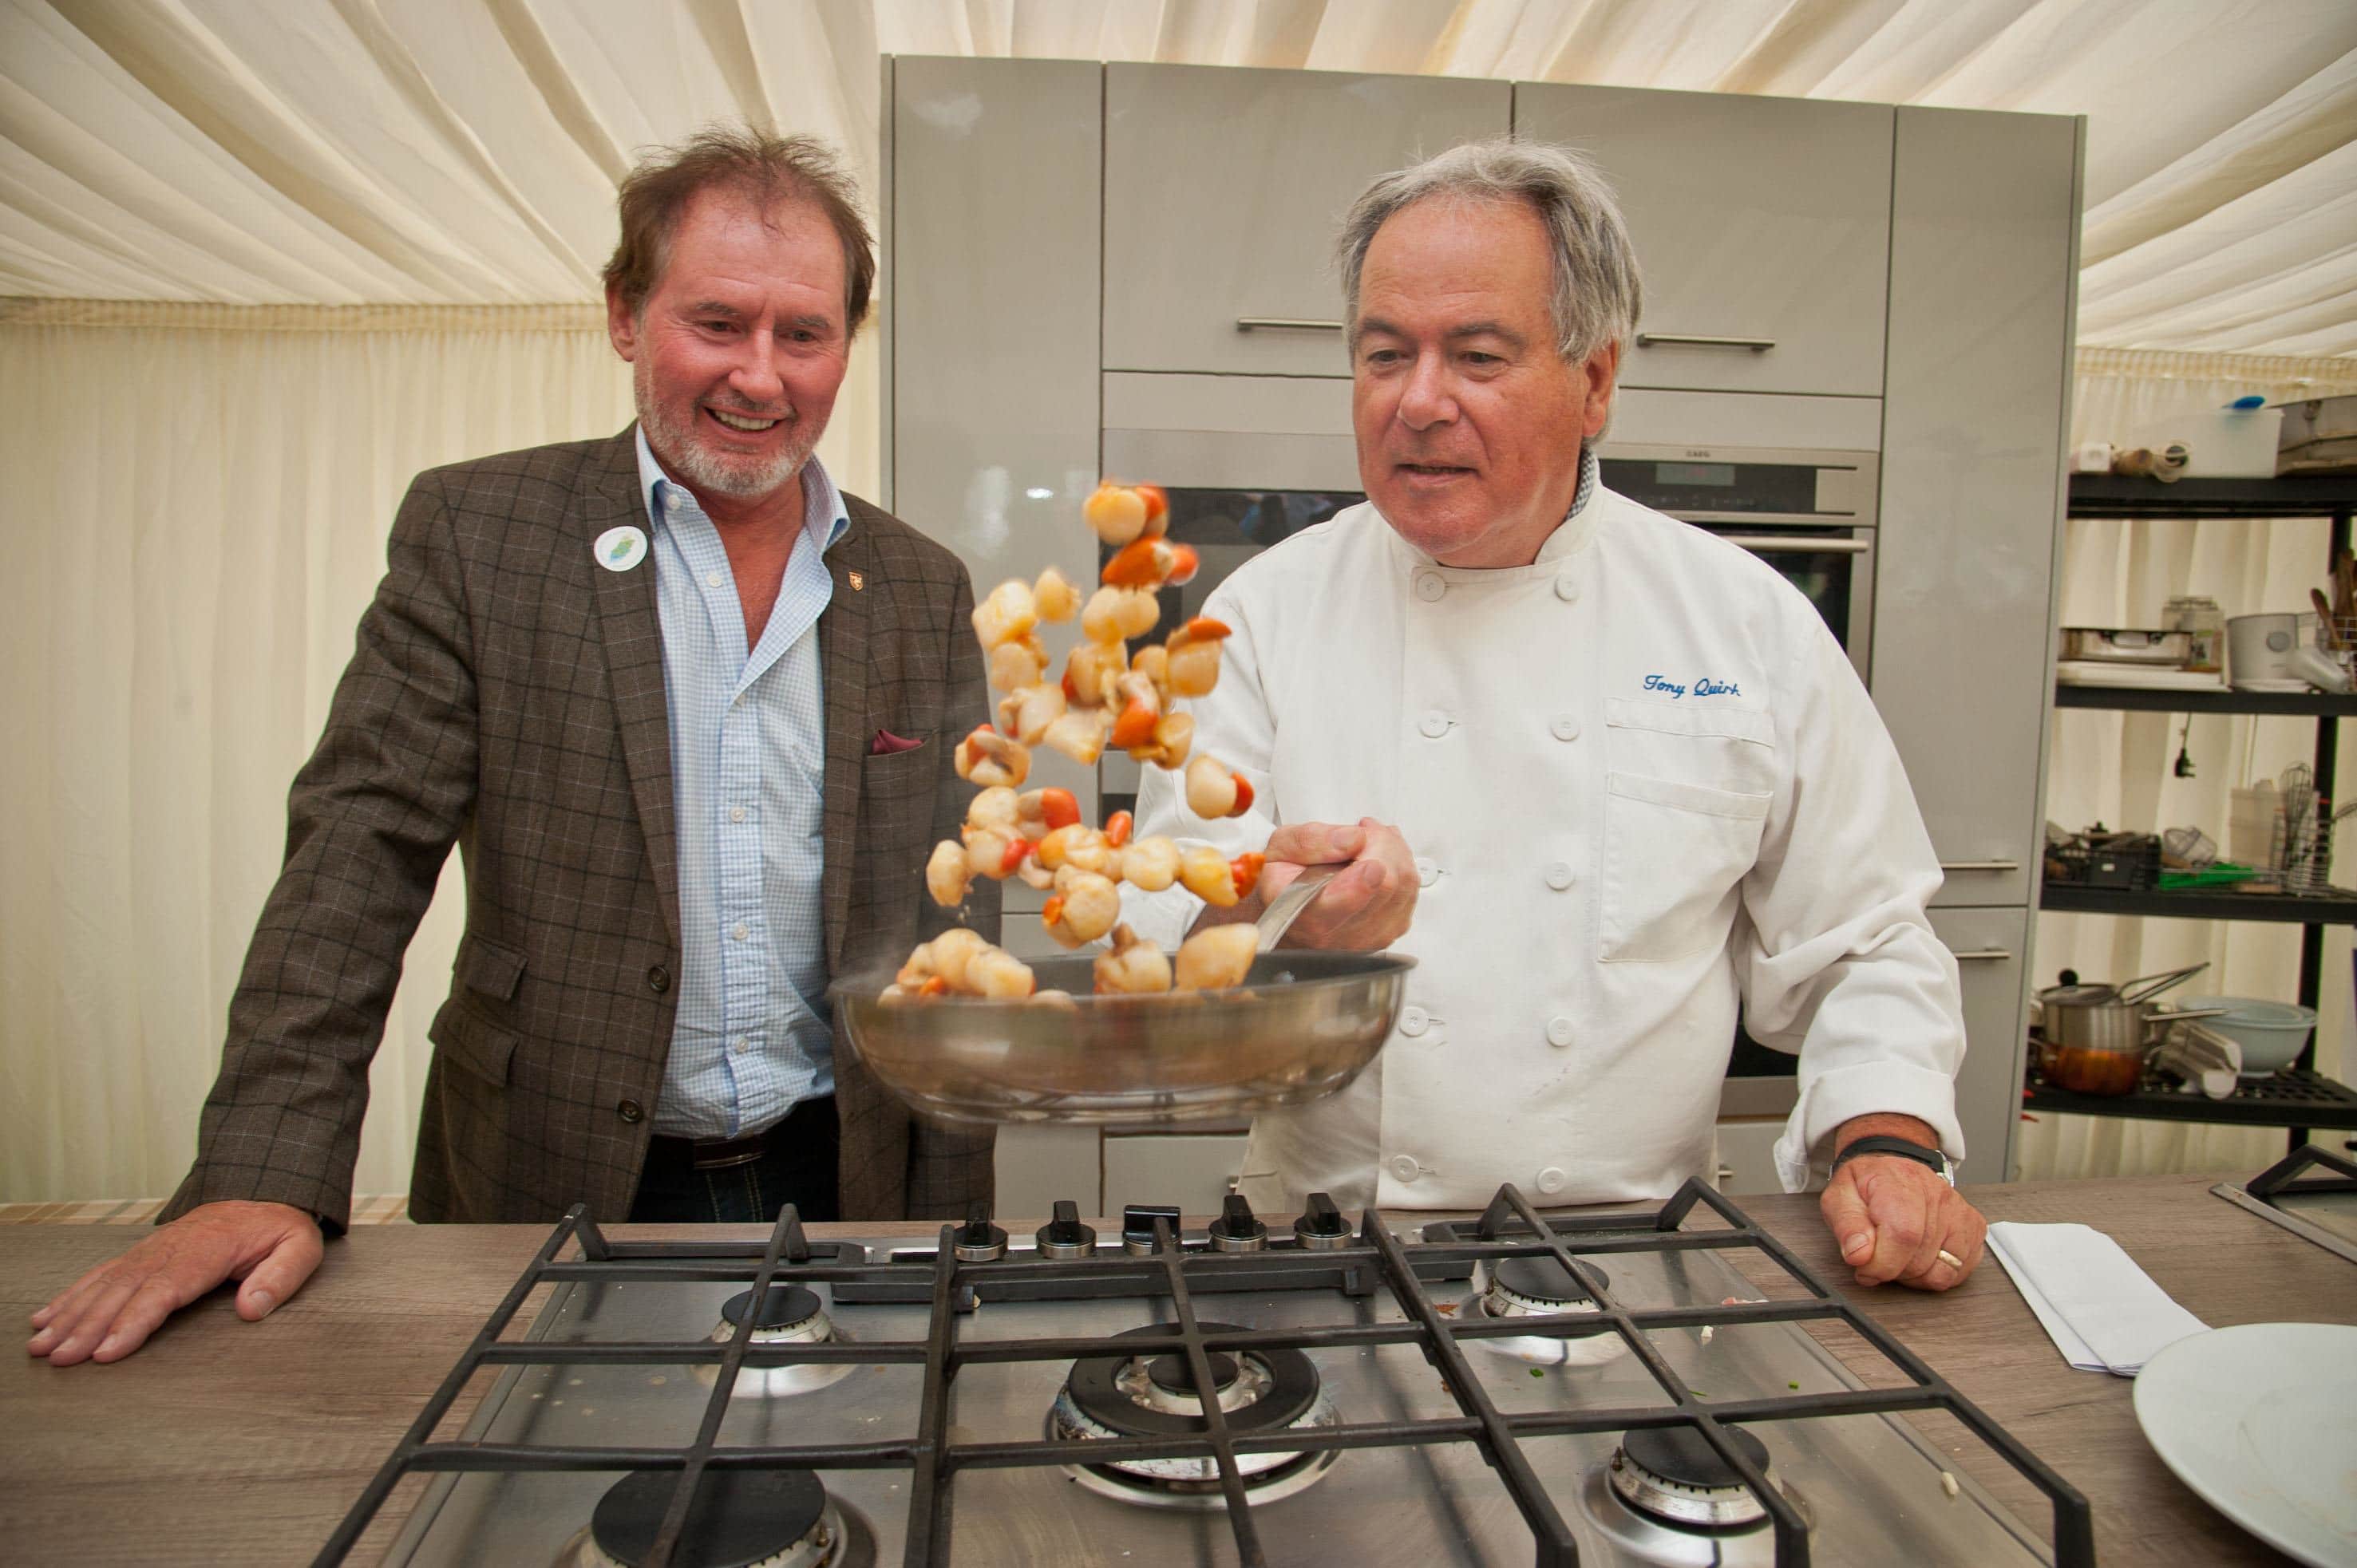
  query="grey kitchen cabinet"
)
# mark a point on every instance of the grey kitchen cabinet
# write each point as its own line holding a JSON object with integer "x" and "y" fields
{"x": 1746, "y": 1155}
{"x": 1223, "y": 191}
{"x": 1983, "y": 255}
{"x": 1992, "y": 949}
{"x": 1756, "y": 221}
{"x": 991, "y": 352}
{"x": 1189, "y": 1169}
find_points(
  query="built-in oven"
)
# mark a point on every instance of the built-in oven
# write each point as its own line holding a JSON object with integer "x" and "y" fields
{"x": 1808, "y": 514}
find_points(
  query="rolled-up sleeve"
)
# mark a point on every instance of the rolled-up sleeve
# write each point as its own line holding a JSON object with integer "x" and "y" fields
{"x": 1836, "y": 957}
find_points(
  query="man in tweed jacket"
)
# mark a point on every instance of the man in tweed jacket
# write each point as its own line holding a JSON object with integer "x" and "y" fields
{"x": 509, "y": 693}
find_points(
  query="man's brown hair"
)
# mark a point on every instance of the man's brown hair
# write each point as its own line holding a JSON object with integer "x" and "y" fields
{"x": 763, "y": 167}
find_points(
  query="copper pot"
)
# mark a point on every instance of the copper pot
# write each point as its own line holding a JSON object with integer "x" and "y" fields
{"x": 2097, "y": 1036}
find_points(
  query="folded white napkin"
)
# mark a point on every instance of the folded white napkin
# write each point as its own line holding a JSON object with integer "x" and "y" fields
{"x": 2103, "y": 1312}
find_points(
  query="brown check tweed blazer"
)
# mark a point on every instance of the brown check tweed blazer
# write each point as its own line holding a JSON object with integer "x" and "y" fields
{"x": 507, "y": 694}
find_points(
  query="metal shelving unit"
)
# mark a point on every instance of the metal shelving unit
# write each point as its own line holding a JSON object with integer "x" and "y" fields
{"x": 2332, "y": 495}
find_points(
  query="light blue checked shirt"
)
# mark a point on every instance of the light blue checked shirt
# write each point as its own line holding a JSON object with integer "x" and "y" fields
{"x": 749, "y": 771}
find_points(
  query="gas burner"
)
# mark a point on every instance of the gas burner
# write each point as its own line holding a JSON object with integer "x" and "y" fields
{"x": 739, "y": 1518}
{"x": 1667, "y": 1497}
{"x": 791, "y": 1314}
{"x": 1541, "y": 1287}
{"x": 1137, "y": 1396}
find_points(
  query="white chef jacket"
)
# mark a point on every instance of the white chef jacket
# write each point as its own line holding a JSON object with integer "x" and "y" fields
{"x": 1641, "y": 781}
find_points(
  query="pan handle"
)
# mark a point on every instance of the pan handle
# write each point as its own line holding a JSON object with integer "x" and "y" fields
{"x": 1288, "y": 905}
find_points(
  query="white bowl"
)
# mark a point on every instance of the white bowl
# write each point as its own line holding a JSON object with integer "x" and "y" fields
{"x": 2270, "y": 1033}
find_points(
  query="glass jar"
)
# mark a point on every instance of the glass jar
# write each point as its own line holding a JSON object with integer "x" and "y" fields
{"x": 2199, "y": 613}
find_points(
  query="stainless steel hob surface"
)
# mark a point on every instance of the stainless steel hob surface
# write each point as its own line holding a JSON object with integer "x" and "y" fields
{"x": 1599, "y": 1388}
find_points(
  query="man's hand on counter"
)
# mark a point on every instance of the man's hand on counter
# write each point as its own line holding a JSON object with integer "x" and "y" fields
{"x": 109, "y": 1312}
{"x": 1365, "y": 909}
{"x": 1894, "y": 1218}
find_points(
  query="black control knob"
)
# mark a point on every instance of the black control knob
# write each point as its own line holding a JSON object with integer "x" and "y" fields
{"x": 1235, "y": 1231}
{"x": 1065, "y": 1235}
{"x": 1137, "y": 1226}
{"x": 978, "y": 1240}
{"x": 1321, "y": 1228}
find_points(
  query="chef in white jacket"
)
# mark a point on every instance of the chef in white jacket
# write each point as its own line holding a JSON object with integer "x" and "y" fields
{"x": 1607, "y": 777}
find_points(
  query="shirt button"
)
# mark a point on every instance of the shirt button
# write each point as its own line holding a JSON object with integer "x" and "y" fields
{"x": 1414, "y": 1021}
{"x": 1551, "y": 1180}
{"x": 1558, "y": 1030}
{"x": 658, "y": 979}
{"x": 1566, "y": 588}
{"x": 1429, "y": 585}
{"x": 671, "y": 499}
{"x": 744, "y": 1043}
{"x": 1434, "y": 725}
{"x": 630, "y": 1110}
{"x": 1559, "y": 876}
{"x": 1564, "y": 728}
{"x": 736, "y": 813}
{"x": 712, "y": 579}
{"x": 740, "y": 931}
{"x": 1428, "y": 871}
{"x": 1405, "y": 1168}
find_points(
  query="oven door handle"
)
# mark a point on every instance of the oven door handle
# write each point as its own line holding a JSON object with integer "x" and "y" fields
{"x": 1689, "y": 340}
{"x": 1284, "y": 323}
{"x": 1787, "y": 545}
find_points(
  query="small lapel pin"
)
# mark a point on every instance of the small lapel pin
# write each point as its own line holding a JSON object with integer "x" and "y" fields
{"x": 620, "y": 549}
{"x": 858, "y": 580}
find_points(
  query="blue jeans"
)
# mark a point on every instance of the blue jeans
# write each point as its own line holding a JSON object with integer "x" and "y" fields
{"x": 798, "y": 1168}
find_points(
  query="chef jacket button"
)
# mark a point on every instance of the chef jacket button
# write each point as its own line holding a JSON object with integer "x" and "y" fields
{"x": 1558, "y": 1030}
{"x": 1552, "y": 1180}
{"x": 630, "y": 1111}
{"x": 1558, "y": 876}
{"x": 1566, "y": 588}
{"x": 1430, "y": 585}
{"x": 1434, "y": 725}
{"x": 658, "y": 979}
{"x": 1428, "y": 871}
{"x": 1414, "y": 1021}
{"x": 1564, "y": 728}
{"x": 1405, "y": 1168}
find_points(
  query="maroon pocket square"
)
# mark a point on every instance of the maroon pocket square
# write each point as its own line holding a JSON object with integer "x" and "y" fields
{"x": 887, "y": 743}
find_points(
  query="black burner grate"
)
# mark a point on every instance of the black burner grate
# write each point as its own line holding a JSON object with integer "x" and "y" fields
{"x": 1511, "y": 1228}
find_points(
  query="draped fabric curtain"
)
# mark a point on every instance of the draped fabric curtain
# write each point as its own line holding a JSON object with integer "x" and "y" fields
{"x": 197, "y": 509}
{"x": 2119, "y": 768}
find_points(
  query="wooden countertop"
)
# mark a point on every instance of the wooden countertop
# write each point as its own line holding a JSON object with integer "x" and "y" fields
{"x": 222, "y": 1442}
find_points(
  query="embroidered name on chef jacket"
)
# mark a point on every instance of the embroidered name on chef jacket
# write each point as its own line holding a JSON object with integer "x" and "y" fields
{"x": 1702, "y": 687}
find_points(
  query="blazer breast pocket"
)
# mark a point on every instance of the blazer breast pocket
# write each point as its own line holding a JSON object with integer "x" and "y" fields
{"x": 1673, "y": 851}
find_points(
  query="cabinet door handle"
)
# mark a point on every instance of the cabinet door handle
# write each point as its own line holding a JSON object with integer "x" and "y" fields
{"x": 1986, "y": 955}
{"x": 1787, "y": 545}
{"x": 1726, "y": 1175}
{"x": 1284, "y": 323}
{"x": 1689, "y": 340}
{"x": 1980, "y": 865}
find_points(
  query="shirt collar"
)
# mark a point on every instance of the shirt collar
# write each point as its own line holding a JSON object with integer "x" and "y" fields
{"x": 824, "y": 517}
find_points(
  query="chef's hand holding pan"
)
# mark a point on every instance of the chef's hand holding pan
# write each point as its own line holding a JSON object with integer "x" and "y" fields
{"x": 1897, "y": 1219}
{"x": 110, "y": 1311}
{"x": 1368, "y": 904}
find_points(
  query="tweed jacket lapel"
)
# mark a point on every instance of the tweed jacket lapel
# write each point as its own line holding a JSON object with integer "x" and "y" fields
{"x": 633, "y": 632}
{"x": 843, "y": 659}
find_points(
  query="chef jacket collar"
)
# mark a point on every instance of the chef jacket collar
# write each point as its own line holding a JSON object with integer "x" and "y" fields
{"x": 1570, "y": 536}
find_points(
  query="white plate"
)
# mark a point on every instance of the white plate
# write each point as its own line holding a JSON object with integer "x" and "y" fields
{"x": 2097, "y": 672}
{"x": 2261, "y": 1421}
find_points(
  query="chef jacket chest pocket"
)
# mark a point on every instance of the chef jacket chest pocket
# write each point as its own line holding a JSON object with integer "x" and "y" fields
{"x": 1671, "y": 853}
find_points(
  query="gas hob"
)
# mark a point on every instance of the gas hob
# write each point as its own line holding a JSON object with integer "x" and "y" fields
{"x": 1600, "y": 1389}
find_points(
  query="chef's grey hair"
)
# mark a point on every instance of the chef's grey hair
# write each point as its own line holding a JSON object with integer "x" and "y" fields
{"x": 1596, "y": 290}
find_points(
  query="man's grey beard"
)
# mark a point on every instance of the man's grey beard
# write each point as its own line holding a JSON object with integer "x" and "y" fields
{"x": 696, "y": 466}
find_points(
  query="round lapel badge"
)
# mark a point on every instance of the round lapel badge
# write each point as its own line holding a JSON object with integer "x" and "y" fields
{"x": 620, "y": 549}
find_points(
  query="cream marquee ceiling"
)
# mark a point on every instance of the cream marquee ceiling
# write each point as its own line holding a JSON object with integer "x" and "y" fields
{"x": 353, "y": 152}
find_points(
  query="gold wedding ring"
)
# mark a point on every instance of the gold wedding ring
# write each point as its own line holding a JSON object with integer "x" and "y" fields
{"x": 1953, "y": 1260}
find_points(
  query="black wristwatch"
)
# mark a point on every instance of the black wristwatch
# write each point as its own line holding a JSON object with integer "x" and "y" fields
{"x": 1905, "y": 1148}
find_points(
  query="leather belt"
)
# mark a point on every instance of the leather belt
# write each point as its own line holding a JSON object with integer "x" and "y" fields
{"x": 720, "y": 1153}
